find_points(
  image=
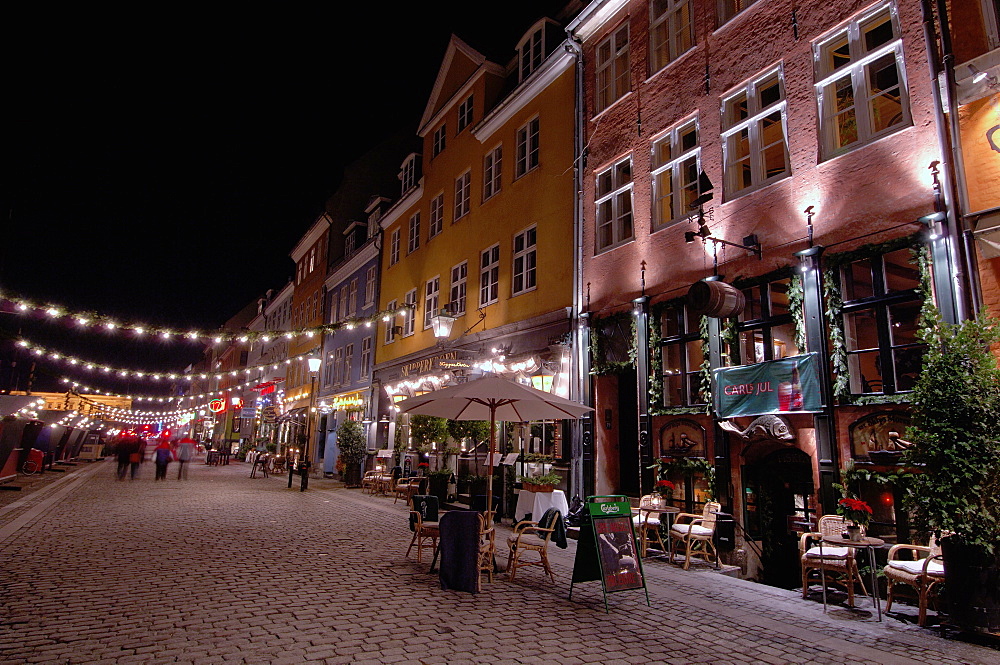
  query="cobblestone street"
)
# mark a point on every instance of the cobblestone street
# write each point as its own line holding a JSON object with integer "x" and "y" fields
{"x": 228, "y": 569}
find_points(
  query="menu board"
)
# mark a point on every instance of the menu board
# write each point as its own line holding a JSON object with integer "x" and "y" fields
{"x": 616, "y": 548}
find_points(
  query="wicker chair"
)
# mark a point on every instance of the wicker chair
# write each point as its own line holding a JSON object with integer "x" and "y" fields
{"x": 647, "y": 523}
{"x": 923, "y": 574}
{"x": 837, "y": 564}
{"x": 695, "y": 533}
{"x": 526, "y": 539}
{"x": 487, "y": 544}
{"x": 424, "y": 524}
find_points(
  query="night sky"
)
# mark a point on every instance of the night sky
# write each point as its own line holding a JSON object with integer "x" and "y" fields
{"x": 161, "y": 168}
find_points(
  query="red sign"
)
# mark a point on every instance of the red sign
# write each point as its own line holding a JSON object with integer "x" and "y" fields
{"x": 217, "y": 406}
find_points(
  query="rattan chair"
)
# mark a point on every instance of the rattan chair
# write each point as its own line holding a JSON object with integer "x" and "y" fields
{"x": 531, "y": 537}
{"x": 487, "y": 544}
{"x": 694, "y": 533}
{"x": 837, "y": 564}
{"x": 424, "y": 524}
{"x": 647, "y": 524}
{"x": 923, "y": 574}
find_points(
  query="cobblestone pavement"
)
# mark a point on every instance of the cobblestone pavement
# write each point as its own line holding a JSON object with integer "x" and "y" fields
{"x": 228, "y": 569}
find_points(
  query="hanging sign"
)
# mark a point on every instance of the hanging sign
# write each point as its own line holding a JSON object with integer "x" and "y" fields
{"x": 789, "y": 385}
{"x": 269, "y": 414}
{"x": 217, "y": 406}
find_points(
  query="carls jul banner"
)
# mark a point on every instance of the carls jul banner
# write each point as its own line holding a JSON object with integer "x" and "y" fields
{"x": 789, "y": 385}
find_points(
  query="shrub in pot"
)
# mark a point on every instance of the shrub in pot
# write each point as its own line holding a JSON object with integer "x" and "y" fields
{"x": 353, "y": 447}
{"x": 955, "y": 434}
{"x": 439, "y": 481}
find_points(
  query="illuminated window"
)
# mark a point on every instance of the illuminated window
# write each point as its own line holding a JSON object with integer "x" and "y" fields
{"x": 613, "y": 79}
{"x": 859, "y": 83}
{"x": 676, "y": 165}
{"x": 524, "y": 261}
{"x": 614, "y": 205}
{"x": 765, "y": 330}
{"x": 682, "y": 356}
{"x": 754, "y": 139}
{"x": 671, "y": 31}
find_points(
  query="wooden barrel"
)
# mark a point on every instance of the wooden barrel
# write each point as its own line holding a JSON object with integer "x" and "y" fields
{"x": 715, "y": 298}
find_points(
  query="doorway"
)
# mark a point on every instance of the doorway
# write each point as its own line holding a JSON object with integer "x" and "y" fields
{"x": 628, "y": 434}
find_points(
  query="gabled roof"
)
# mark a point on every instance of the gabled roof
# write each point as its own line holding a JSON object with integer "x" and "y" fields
{"x": 460, "y": 65}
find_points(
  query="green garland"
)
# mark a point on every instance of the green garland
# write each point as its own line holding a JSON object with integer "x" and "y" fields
{"x": 835, "y": 324}
{"x": 598, "y": 338}
{"x": 688, "y": 467}
{"x": 705, "y": 389}
{"x": 655, "y": 362}
{"x": 796, "y": 295}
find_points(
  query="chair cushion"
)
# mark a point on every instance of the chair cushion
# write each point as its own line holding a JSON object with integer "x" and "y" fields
{"x": 917, "y": 567}
{"x": 694, "y": 529}
{"x": 828, "y": 553}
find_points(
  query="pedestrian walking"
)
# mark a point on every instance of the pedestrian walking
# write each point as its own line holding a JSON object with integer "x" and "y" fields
{"x": 162, "y": 455}
{"x": 137, "y": 451}
{"x": 123, "y": 451}
{"x": 185, "y": 453}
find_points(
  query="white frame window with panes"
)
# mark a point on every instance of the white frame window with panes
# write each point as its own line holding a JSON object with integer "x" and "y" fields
{"x": 390, "y": 322}
{"x": 524, "y": 261}
{"x": 861, "y": 82}
{"x": 348, "y": 363}
{"x": 671, "y": 31}
{"x": 463, "y": 195}
{"x": 413, "y": 239}
{"x": 439, "y": 140}
{"x": 465, "y": 114}
{"x": 529, "y": 53}
{"x": 408, "y": 174}
{"x": 613, "y": 79}
{"x": 755, "y": 134}
{"x": 459, "y": 285}
{"x": 489, "y": 276}
{"x": 527, "y": 142}
{"x": 366, "y": 357}
{"x": 676, "y": 162}
{"x": 492, "y": 171}
{"x": 436, "y": 224}
{"x": 613, "y": 205}
{"x": 371, "y": 281}
{"x": 409, "y": 312}
{"x": 394, "y": 246}
{"x": 432, "y": 294}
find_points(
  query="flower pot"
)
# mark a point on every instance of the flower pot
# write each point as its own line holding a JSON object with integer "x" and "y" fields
{"x": 531, "y": 487}
{"x": 972, "y": 586}
{"x": 854, "y": 533}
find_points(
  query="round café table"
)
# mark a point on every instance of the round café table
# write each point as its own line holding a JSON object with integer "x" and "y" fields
{"x": 870, "y": 544}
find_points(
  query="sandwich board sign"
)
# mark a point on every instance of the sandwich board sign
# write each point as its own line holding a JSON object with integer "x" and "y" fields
{"x": 607, "y": 550}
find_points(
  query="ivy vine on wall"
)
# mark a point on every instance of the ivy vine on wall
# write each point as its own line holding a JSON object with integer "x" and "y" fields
{"x": 600, "y": 343}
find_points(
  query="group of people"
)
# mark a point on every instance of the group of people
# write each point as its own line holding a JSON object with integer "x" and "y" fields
{"x": 131, "y": 452}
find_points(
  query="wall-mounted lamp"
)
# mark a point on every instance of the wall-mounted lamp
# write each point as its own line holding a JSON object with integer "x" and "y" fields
{"x": 442, "y": 323}
{"x": 542, "y": 379}
{"x": 934, "y": 225}
{"x": 979, "y": 76}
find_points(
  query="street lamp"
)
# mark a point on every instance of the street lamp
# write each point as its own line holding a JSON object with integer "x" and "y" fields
{"x": 314, "y": 364}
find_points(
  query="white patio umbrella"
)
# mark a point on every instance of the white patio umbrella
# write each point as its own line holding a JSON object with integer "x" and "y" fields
{"x": 493, "y": 398}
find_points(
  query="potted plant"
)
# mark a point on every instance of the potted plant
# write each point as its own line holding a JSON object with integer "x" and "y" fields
{"x": 857, "y": 514}
{"x": 664, "y": 488}
{"x": 541, "y": 482}
{"x": 955, "y": 436}
{"x": 439, "y": 481}
{"x": 353, "y": 448}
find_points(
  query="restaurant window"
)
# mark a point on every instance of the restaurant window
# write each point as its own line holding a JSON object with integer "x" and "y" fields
{"x": 612, "y": 64}
{"x": 765, "y": 330}
{"x": 489, "y": 276}
{"x": 682, "y": 356}
{"x": 459, "y": 279}
{"x": 860, "y": 86}
{"x": 671, "y": 31}
{"x": 390, "y": 324}
{"x": 676, "y": 164}
{"x": 882, "y": 303}
{"x": 754, "y": 142}
{"x": 614, "y": 204}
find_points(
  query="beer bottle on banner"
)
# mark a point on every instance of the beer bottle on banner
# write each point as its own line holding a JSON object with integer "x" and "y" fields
{"x": 795, "y": 401}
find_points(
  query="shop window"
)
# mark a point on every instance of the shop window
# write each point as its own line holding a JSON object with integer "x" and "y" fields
{"x": 765, "y": 330}
{"x": 881, "y": 309}
{"x": 681, "y": 349}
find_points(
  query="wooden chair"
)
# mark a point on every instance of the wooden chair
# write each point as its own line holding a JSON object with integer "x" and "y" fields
{"x": 369, "y": 480}
{"x": 532, "y": 537}
{"x": 837, "y": 564}
{"x": 647, "y": 524}
{"x": 406, "y": 488}
{"x": 424, "y": 524}
{"x": 487, "y": 545}
{"x": 923, "y": 574}
{"x": 694, "y": 533}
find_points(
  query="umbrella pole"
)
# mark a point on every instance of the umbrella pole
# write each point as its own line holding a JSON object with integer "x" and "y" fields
{"x": 489, "y": 461}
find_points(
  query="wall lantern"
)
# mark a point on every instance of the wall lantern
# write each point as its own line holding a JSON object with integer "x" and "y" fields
{"x": 442, "y": 323}
{"x": 543, "y": 379}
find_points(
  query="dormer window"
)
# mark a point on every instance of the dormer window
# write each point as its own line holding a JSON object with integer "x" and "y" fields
{"x": 530, "y": 52}
{"x": 408, "y": 173}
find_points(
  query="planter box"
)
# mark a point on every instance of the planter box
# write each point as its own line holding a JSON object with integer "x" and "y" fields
{"x": 537, "y": 488}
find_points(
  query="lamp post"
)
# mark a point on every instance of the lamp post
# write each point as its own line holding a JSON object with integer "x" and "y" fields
{"x": 314, "y": 364}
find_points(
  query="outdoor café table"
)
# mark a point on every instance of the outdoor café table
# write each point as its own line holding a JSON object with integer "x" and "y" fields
{"x": 536, "y": 503}
{"x": 870, "y": 544}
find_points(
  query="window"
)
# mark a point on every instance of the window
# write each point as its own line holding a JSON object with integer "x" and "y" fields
{"x": 676, "y": 165}
{"x": 331, "y": 313}
{"x": 390, "y": 325}
{"x": 342, "y": 313}
{"x": 459, "y": 277}
{"x": 612, "y": 69}
{"x": 682, "y": 356}
{"x": 463, "y": 194}
{"x": 671, "y": 31}
{"x": 413, "y": 240}
{"x": 352, "y": 299}
{"x": 366, "y": 357}
{"x": 394, "y": 247}
{"x": 489, "y": 276}
{"x": 432, "y": 292}
{"x": 614, "y": 204}
{"x": 328, "y": 370}
{"x": 754, "y": 145}
{"x": 312, "y": 259}
{"x": 348, "y": 363}
{"x": 524, "y": 261}
{"x": 338, "y": 366}
{"x": 437, "y": 216}
{"x": 410, "y": 306}
{"x": 881, "y": 309}
{"x": 529, "y": 54}
{"x": 491, "y": 172}
{"x": 408, "y": 174}
{"x": 527, "y": 148}
{"x": 465, "y": 114}
{"x": 859, "y": 86}
{"x": 439, "y": 139}
{"x": 765, "y": 330}
{"x": 371, "y": 281}
{"x": 730, "y": 8}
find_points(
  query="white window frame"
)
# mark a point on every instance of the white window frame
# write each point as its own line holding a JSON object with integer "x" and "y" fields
{"x": 612, "y": 60}
{"x": 371, "y": 281}
{"x": 673, "y": 168}
{"x": 413, "y": 237}
{"x": 394, "y": 246}
{"x": 752, "y": 124}
{"x": 338, "y": 366}
{"x": 492, "y": 172}
{"x": 465, "y": 113}
{"x": 457, "y": 297}
{"x": 432, "y": 296}
{"x": 409, "y": 313}
{"x": 859, "y": 74}
{"x": 489, "y": 275}
{"x": 342, "y": 312}
{"x": 530, "y": 52}
{"x": 527, "y": 145}
{"x": 366, "y": 357}
{"x": 618, "y": 192}
{"x": 408, "y": 174}
{"x": 436, "y": 222}
{"x": 463, "y": 195}
{"x": 524, "y": 261}
{"x": 348, "y": 361}
{"x": 352, "y": 299}
{"x": 669, "y": 34}
{"x": 440, "y": 140}
{"x": 390, "y": 325}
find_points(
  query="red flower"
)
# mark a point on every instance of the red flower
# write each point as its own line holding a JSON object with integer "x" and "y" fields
{"x": 855, "y": 505}
{"x": 664, "y": 484}
{"x": 422, "y": 464}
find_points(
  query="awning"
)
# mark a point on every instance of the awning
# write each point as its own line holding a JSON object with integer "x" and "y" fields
{"x": 987, "y": 232}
